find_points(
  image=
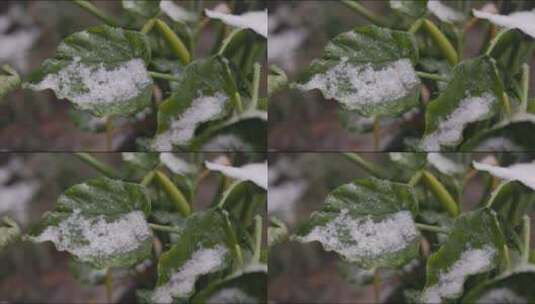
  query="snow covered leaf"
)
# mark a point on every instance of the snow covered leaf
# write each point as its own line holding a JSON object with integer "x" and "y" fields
{"x": 102, "y": 70}
{"x": 277, "y": 79}
{"x": 101, "y": 222}
{"x": 256, "y": 21}
{"x": 144, "y": 8}
{"x": 9, "y": 80}
{"x": 176, "y": 164}
{"x": 176, "y": 12}
{"x": 513, "y": 287}
{"x": 444, "y": 164}
{"x": 201, "y": 95}
{"x": 524, "y": 21}
{"x": 369, "y": 222}
{"x": 474, "y": 246}
{"x": 369, "y": 70}
{"x": 446, "y": 11}
{"x": 409, "y": 7}
{"x": 256, "y": 173}
{"x": 9, "y": 232}
{"x": 413, "y": 161}
{"x": 277, "y": 232}
{"x": 200, "y": 250}
{"x": 143, "y": 160}
{"x": 248, "y": 285}
{"x": 472, "y": 95}
{"x": 524, "y": 173}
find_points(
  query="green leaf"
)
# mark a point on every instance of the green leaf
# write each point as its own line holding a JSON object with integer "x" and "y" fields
{"x": 200, "y": 250}
{"x": 474, "y": 246}
{"x": 368, "y": 222}
{"x": 277, "y": 80}
{"x": 409, "y": 7}
{"x": 202, "y": 94}
{"x": 100, "y": 222}
{"x": 144, "y": 8}
{"x": 248, "y": 285}
{"x": 369, "y": 70}
{"x": 102, "y": 70}
{"x": 473, "y": 94}
{"x": 9, "y": 232}
{"x": 514, "y": 287}
{"x": 9, "y": 80}
{"x": 142, "y": 160}
{"x": 277, "y": 232}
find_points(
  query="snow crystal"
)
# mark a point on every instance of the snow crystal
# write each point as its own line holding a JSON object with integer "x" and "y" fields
{"x": 96, "y": 84}
{"x": 501, "y": 295}
{"x": 256, "y": 173}
{"x": 176, "y": 12}
{"x": 90, "y": 238}
{"x": 202, "y": 109}
{"x": 354, "y": 84}
{"x": 524, "y": 21}
{"x": 449, "y": 131}
{"x": 231, "y": 295}
{"x": 444, "y": 164}
{"x": 176, "y": 164}
{"x": 282, "y": 47}
{"x": 444, "y": 12}
{"x": 524, "y": 173}
{"x": 14, "y": 198}
{"x": 257, "y": 21}
{"x": 182, "y": 282}
{"x": 357, "y": 238}
{"x": 450, "y": 283}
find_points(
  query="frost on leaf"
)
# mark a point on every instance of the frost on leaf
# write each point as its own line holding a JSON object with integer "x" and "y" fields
{"x": 524, "y": 21}
{"x": 182, "y": 281}
{"x": 501, "y": 295}
{"x": 257, "y": 21}
{"x": 450, "y": 283}
{"x": 524, "y": 173}
{"x": 256, "y": 173}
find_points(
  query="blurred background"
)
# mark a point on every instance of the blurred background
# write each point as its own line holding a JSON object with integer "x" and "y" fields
{"x": 305, "y": 121}
{"x": 30, "y": 184}
{"x": 305, "y": 273}
{"x": 30, "y": 32}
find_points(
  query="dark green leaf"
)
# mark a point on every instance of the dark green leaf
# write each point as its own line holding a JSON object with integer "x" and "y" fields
{"x": 102, "y": 70}
{"x": 369, "y": 70}
{"x": 368, "y": 222}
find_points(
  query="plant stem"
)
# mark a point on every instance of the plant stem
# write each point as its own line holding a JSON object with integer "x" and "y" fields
{"x": 109, "y": 285}
{"x": 236, "y": 99}
{"x": 363, "y": 11}
{"x": 495, "y": 193}
{"x": 147, "y": 27}
{"x": 416, "y": 26}
{"x": 526, "y": 233}
{"x": 376, "y": 285}
{"x": 174, "y": 194}
{"x": 232, "y": 238}
{"x": 525, "y": 87}
{"x": 109, "y": 133}
{"x": 164, "y": 228}
{"x": 506, "y": 104}
{"x": 147, "y": 179}
{"x": 89, "y": 7}
{"x": 441, "y": 193}
{"x": 256, "y": 85}
{"x": 376, "y": 132}
{"x": 258, "y": 238}
{"x": 432, "y": 228}
{"x": 443, "y": 43}
{"x": 97, "y": 164}
{"x": 507, "y": 255}
{"x": 437, "y": 77}
{"x": 176, "y": 45}
{"x": 164, "y": 76}
{"x": 365, "y": 165}
{"x": 415, "y": 179}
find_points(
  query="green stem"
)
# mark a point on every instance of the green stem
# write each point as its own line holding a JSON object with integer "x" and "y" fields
{"x": 443, "y": 43}
{"x": 236, "y": 99}
{"x": 416, "y": 26}
{"x": 163, "y": 76}
{"x": 365, "y": 165}
{"x": 176, "y": 45}
{"x": 256, "y": 85}
{"x": 232, "y": 238}
{"x": 415, "y": 179}
{"x": 97, "y": 164}
{"x": 89, "y": 7}
{"x": 174, "y": 194}
{"x": 258, "y": 239}
{"x": 376, "y": 132}
{"x": 148, "y": 178}
{"x": 526, "y": 233}
{"x": 363, "y": 11}
{"x": 432, "y": 228}
{"x": 506, "y": 104}
{"x": 147, "y": 27}
{"x": 432, "y": 76}
{"x": 444, "y": 197}
{"x": 495, "y": 193}
{"x": 164, "y": 228}
{"x": 507, "y": 256}
{"x": 525, "y": 87}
